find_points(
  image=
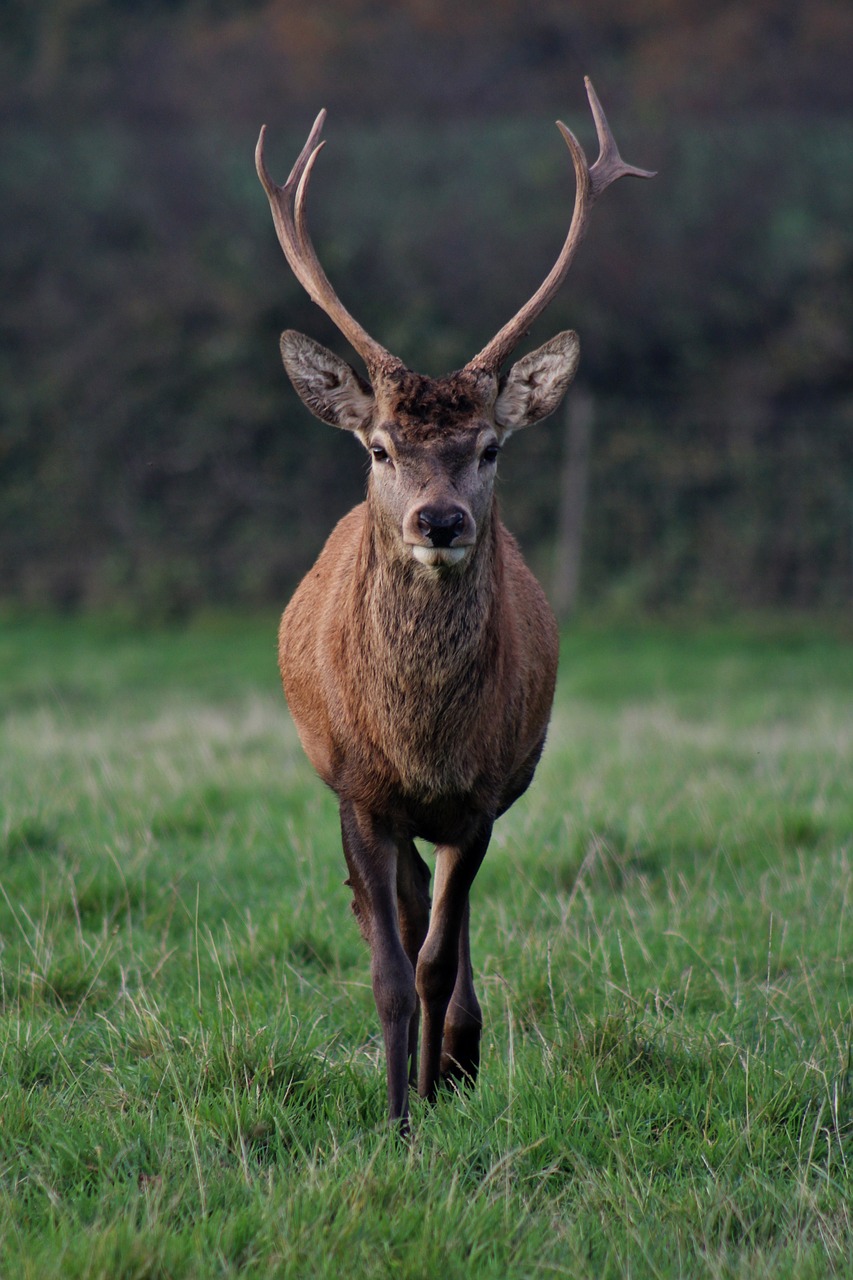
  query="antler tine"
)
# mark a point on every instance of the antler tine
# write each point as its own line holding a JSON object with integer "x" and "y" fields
{"x": 609, "y": 166}
{"x": 300, "y": 177}
{"x": 287, "y": 204}
{"x": 590, "y": 182}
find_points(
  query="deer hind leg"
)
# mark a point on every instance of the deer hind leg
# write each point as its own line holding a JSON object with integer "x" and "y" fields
{"x": 372, "y": 857}
{"x": 440, "y": 974}
{"x": 413, "y": 905}
{"x": 463, "y": 1023}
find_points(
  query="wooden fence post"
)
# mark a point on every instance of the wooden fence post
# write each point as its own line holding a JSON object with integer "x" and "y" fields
{"x": 573, "y": 489}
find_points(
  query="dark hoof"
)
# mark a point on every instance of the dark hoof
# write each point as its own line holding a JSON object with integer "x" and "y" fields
{"x": 460, "y": 1059}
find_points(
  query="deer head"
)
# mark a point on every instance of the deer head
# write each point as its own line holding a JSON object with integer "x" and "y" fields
{"x": 433, "y": 443}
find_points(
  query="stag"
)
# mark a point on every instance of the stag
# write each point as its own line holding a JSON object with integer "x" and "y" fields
{"x": 419, "y": 654}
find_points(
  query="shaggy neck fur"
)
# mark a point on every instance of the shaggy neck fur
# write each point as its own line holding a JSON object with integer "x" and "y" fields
{"x": 426, "y": 642}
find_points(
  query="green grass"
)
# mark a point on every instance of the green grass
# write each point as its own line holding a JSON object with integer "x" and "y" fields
{"x": 191, "y": 1075}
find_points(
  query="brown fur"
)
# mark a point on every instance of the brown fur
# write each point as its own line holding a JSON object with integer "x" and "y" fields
{"x": 419, "y": 654}
{"x": 440, "y": 405}
{"x": 420, "y": 699}
{"x": 421, "y": 694}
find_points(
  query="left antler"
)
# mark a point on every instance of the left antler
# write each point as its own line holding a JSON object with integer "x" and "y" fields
{"x": 590, "y": 183}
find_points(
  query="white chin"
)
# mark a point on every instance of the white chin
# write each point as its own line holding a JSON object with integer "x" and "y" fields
{"x": 438, "y": 556}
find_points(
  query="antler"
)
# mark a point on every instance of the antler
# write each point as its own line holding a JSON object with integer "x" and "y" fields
{"x": 590, "y": 183}
{"x": 288, "y": 210}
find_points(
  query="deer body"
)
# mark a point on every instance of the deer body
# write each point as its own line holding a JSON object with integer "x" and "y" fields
{"x": 419, "y": 655}
{"x": 404, "y": 722}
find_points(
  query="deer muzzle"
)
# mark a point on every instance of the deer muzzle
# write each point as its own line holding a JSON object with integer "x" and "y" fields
{"x": 440, "y": 535}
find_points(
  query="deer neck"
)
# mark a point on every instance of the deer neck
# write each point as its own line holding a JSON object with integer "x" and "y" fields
{"x": 427, "y": 624}
{"x": 429, "y": 641}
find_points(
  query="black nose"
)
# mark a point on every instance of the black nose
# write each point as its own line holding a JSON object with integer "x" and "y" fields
{"x": 441, "y": 527}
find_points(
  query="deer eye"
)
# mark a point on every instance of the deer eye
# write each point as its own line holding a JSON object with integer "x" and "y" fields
{"x": 490, "y": 453}
{"x": 379, "y": 454}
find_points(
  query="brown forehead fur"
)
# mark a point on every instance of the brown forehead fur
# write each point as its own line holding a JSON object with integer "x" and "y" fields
{"x": 439, "y": 407}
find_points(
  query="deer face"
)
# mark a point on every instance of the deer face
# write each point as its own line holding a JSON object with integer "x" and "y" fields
{"x": 434, "y": 494}
{"x": 433, "y": 443}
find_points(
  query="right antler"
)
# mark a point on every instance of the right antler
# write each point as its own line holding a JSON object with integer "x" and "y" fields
{"x": 288, "y": 210}
{"x": 590, "y": 183}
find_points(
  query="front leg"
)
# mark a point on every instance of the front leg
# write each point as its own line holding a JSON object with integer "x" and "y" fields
{"x": 438, "y": 963}
{"x": 371, "y": 854}
{"x": 463, "y": 1024}
{"x": 413, "y": 908}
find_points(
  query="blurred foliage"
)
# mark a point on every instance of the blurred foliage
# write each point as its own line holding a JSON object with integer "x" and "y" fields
{"x": 152, "y": 456}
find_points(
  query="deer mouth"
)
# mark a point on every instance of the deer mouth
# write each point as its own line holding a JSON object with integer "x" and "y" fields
{"x": 440, "y": 557}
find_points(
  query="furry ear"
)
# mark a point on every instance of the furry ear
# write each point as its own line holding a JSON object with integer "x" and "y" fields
{"x": 325, "y": 384}
{"x": 536, "y": 384}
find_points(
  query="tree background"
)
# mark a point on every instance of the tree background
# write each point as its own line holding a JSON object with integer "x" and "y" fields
{"x": 152, "y": 456}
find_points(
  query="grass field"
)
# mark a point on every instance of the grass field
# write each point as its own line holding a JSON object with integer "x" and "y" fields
{"x": 191, "y": 1077}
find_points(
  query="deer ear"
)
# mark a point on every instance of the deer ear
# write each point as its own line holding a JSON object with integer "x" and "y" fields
{"x": 325, "y": 384}
{"x": 536, "y": 384}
